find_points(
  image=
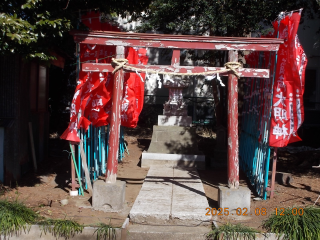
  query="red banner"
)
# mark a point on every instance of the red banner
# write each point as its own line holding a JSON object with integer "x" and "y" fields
{"x": 133, "y": 96}
{"x": 91, "y": 102}
{"x": 287, "y": 106}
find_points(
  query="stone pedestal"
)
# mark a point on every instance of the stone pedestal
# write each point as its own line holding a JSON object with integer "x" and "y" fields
{"x": 182, "y": 121}
{"x": 108, "y": 197}
{"x": 173, "y": 140}
{"x": 173, "y": 146}
{"x": 234, "y": 198}
{"x": 173, "y": 160}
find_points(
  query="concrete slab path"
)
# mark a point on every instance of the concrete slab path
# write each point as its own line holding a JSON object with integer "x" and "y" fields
{"x": 171, "y": 195}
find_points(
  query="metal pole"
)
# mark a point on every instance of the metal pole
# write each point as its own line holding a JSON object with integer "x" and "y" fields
{"x": 112, "y": 164}
{"x": 100, "y": 150}
{"x": 89, "y": 153}
{"x": 95, "y": 152}
{"x": 79, "y": 159}
{"x": 103, "y": 149}
{"x": 73, "y": 175}
{"x": 85, "y": 153}
{"x": 274, "y": 164}
{"x": 268, "y": 115}
{"x": 233, "y": 142}
{"x": 274, "y": 169}
{"x": 75, "y": 166}
{"x": 120, "y": 146}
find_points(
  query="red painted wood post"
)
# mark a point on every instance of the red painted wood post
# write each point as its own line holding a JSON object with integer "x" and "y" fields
{"x": 113, "y": 144}
{"x": 233, "y": 141}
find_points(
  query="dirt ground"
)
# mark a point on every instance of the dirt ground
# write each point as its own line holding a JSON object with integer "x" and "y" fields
{"x": 44, "y": 190}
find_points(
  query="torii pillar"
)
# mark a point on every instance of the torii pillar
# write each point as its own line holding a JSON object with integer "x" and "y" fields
{"x": 113, "y": 144}
{"x": 233, "y": 142}
{"x": 234, "y": 196}
{"x": 109, "y": 195}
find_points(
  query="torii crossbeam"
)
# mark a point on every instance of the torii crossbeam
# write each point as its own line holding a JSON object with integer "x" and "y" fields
{"x": 177, "y": 42}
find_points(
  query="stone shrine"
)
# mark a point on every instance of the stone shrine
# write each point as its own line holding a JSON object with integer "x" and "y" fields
{"x": 175, "y": 112}
{"x": 174, "y": 141}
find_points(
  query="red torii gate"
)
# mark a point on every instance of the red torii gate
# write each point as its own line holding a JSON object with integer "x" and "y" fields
{"x": 176, "y": 42}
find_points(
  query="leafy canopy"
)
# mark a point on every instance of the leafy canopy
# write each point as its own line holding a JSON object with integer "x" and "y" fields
{"x": 33, "y": 27}
{"x": 216, "y": 17}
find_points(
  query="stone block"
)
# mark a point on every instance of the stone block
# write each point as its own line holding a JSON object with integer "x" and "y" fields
{"x": 153, "y": 204}
{"x": 173, "y": 160}
{"x": 234, "y": 198}
{"x": 108, "y": 197}
{"x": 184, "y": 121}
{"x": 149, "y": 232}
{"x": 188, "y": 199}
{"x": 171, "y": 196}
{"x": 174, "y": 140}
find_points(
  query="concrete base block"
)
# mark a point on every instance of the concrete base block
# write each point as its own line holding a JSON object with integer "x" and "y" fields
{"x": 183, "y": 121}
{"x": 108, "y": 197}
{"x": 173, "y": 160}
{"x": 234, "y": 198}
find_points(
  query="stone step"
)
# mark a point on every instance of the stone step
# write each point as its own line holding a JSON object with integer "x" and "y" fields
{"x": 153, "y": 204}
{"x": 188, "y": 198}
{"x": 173, "y": 160}
{"x": 174, "y": 140}
{"x": 147, "y": 232}
{"x": 171, "y": 196}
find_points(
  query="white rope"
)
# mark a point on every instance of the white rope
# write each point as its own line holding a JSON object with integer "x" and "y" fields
{"x": 139, "y": 76}
{"x": 210, "y": 78}
{"x": 229, "y": 67}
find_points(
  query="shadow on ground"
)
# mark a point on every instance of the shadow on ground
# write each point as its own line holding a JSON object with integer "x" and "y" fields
{"x": 57, "y": 163}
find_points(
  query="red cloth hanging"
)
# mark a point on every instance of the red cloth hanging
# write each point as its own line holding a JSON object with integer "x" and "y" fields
{"x": 71, "y": 132}
{"x": 133, "y": 92}
{"x": 92, "y": 101}
{"x": 287, "y": 106}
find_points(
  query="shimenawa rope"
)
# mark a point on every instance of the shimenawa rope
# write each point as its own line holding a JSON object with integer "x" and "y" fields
{"x": 229, "y": 67}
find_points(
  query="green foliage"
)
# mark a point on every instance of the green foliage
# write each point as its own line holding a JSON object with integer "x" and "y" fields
{"x": 295, "y": 227}
{"x": 105, "y": 231}
{"x": 34, "y": 27}
{"x": 232, "y": 232}
{"x": 61, "y": 227}
{"x": 217, "y": 17}
{"x": 29, "y": 28}
{"x": 231, "y": 18}
{"x": 14, "y": 217}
